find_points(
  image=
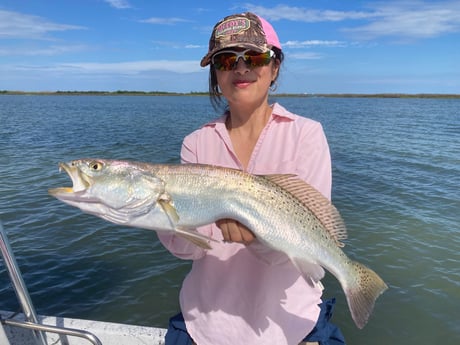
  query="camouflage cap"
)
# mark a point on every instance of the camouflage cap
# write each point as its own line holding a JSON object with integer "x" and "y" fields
{"x": 246, "y": 30}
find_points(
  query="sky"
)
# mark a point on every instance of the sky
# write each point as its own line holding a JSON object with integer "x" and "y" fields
{"x": 331, "y": 46}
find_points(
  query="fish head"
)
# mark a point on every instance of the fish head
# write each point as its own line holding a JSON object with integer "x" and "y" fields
{"x": 113, "y": 190}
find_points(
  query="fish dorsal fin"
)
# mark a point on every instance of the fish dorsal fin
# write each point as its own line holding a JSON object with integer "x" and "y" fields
{"x": 316, "y": 202}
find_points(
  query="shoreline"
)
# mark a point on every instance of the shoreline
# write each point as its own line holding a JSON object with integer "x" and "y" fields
{"x": 165, "y": 93}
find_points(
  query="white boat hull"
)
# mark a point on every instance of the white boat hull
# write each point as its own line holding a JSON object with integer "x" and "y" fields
{"x": 107, "y": 332}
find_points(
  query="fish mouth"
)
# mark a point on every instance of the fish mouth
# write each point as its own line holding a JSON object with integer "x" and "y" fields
{"x": 80, "y": 181}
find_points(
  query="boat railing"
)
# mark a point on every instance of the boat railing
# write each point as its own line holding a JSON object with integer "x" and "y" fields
{"x": 25, "y": 302}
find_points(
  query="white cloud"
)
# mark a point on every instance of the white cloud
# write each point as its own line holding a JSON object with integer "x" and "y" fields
{"x": 402, "y": 19}
{"x": 14, "y": 25}
{"x": 164, "y": 21}
{"x": 411, "y": 20}
{"x": 305, "y": 56}
{"x": 313, "y": 43}
{"x": 117, "y": 68}
{"x": 118, "y": 4}
{"x": 300, "y": 14}
{"x": 45, "y": 51}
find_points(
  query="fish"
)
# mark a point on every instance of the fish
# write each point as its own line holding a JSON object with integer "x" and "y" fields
{"x": 284, "y": 212}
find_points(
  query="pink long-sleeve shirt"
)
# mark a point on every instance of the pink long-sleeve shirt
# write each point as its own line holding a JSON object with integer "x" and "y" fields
{"x": 237, "y": 294}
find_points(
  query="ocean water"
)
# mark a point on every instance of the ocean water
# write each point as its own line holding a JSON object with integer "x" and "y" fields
{"x": 396, "y": 175}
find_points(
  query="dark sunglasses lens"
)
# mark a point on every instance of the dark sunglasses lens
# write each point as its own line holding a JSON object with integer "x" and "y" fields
{"x": 225, "y": 61}
{"x": 257, "y": 59}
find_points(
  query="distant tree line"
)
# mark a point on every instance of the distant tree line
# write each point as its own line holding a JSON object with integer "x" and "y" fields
{"x": 200, "y": 93}
{"x": 101, "y": 93}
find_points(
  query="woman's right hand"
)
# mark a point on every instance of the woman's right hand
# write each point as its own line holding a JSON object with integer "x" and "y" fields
{"x": 234, "y": 231}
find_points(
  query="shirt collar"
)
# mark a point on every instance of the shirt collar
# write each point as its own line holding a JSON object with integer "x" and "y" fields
{"x": 279, "y": 112}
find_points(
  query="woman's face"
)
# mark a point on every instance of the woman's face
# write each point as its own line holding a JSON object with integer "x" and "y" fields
{"x": 244, "y": 83}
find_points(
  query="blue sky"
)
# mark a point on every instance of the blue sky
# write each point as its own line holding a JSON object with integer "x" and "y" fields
{"x": 148, "y": 45}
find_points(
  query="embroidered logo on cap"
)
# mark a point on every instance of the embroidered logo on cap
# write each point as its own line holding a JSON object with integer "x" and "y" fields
{"x": 232, "y": 27}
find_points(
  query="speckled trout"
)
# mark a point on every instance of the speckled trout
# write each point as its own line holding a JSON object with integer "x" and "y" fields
{"x": 285, "y": 214}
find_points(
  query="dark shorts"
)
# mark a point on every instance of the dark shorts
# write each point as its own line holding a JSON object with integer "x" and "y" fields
{"x": 324, "y": 332}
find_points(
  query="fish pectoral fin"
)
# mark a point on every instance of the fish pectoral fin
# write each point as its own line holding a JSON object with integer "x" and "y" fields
{"x": 195, "y": 237}
{"x": 311, "y": 271}
{"x": 167, "y": 205}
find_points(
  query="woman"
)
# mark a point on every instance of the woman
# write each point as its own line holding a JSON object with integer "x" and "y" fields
{"x": 240, "y": 292}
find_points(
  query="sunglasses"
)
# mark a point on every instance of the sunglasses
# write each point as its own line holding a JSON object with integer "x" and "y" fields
{"x": 226, "y": 60}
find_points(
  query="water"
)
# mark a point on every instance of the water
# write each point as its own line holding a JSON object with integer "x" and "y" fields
{"x": 396, "y": 170}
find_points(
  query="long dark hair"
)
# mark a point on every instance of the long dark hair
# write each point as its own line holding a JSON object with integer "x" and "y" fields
{"x": 215, "y": 95}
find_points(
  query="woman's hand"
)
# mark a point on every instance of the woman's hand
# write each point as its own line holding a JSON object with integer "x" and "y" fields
{"x": 234, "y": 231}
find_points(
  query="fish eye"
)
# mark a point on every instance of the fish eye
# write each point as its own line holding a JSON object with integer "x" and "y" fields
{"x": 95, "y": 165}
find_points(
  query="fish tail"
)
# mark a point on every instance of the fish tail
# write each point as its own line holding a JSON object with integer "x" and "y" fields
{"x": 362, "y": 294}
